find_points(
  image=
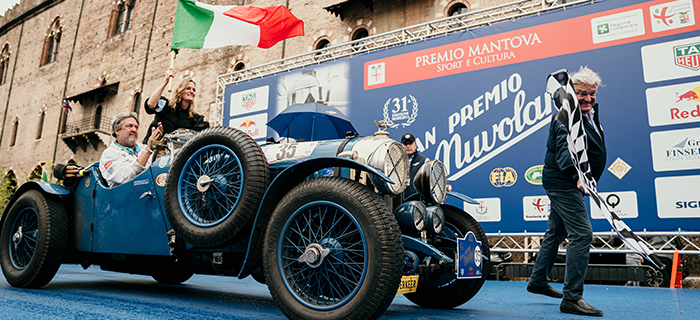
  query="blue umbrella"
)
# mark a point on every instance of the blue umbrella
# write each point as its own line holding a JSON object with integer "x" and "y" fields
{"x": 311, "y": 122}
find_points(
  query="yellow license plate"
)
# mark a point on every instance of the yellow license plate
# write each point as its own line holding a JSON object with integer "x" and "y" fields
{"x": 408, "y": 284}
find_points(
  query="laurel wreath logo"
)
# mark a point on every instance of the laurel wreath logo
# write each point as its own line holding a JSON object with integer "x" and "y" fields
{"x": 411, "y": 118}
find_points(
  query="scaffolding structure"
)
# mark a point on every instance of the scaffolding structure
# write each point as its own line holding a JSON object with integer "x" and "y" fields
{"x": 686, "y": 242}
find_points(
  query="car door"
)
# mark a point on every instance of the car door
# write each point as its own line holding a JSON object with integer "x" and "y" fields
{"x": 128, "y": 218}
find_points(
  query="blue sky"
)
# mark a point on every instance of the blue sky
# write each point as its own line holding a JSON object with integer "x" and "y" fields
{"x": 6, "y": 4}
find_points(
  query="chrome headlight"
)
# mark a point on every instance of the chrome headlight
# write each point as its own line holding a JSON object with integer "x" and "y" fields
{"x": 411, "y": 216}
{"x": 435, "y": 220}
{"x": 431, "y": 182}
{"x": 390, "y": 158}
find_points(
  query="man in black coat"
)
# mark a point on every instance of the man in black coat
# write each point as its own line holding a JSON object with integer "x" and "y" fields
{"x": 415, "y": 160}
{"x": 568, "y": 217}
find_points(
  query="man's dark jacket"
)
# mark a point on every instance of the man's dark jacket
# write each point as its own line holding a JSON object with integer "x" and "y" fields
{"x": 417, "y": 161}
{"x": 559, "y": 171}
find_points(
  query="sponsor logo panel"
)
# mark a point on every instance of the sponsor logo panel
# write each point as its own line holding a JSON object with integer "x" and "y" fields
{"x": 488, "y": 209}
{"x": 254, "y": 125}
{"x": 400, "y": 111}
{"x": 503, "y": 177}
{"x": 688, "y": 56}
{"x": 676, "y": 150}
{"x": 619, "y": 168}
{"x": 678, "y": 197}
{"x": 375, "y": 74}
{"x": 623, "y": 204}
{"x": 618, "y": 26}
{"x": 248, "y": 101}
{"x": 660, "y": 61}
{"x": 672, "y": 15}
{"x": 163, "y": 162}
{"x": 162, "y": 179}
{"x": 536, "y": 208}
{"x": 533, "y": 175}
{"x": 673, "y": 104}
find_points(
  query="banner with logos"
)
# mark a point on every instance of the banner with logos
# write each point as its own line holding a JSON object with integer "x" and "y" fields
{"x": 476, "y": 101}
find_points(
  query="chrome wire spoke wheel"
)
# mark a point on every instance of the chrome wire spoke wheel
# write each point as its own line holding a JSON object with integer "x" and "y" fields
{"x": 210, "y": 185}
{"x": 322, "y": 255}
{"x": 24, "y": 238}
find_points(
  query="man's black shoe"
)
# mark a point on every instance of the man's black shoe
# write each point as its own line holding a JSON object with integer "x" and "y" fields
{"x": 546, "y": 290}
{"x": 579, "y": 307}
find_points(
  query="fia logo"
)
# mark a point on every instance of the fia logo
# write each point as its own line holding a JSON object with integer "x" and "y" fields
{"x": 503, "y": 177}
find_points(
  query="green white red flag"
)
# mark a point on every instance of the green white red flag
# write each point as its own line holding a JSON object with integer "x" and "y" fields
{"x": 204, "y": 26}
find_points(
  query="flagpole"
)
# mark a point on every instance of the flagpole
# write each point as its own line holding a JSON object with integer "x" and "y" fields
{"x": 173, "y": 53}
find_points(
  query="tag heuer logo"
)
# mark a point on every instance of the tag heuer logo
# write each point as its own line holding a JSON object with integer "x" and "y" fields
{"x": 248, "y": 101}
{"x": 687, "y": 56}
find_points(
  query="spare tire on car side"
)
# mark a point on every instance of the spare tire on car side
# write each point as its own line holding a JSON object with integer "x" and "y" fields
{"x": 215, "y": 186}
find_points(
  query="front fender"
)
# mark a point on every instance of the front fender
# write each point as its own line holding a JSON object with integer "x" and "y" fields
{"x": 46, "y": 187}
{"x": 280, "y": 186}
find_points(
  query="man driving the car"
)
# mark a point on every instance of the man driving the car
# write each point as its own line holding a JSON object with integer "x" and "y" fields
{"x": 125, "y": 158}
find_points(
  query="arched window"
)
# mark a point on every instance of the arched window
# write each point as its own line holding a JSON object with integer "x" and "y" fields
{"x": 457, "y": 9}
{"x": 15, "y": 128}
{"x": 40, "y": 125}
{"x": 37, "y": 172}
{"x": 9, "y": 181}
{"x": 121, "y": 17}
{"x": 52, "y": 42}
{"x": 64, "y": 120}
{"x": 238, "y": 66}
{"x": 359, "y": 33}
{"x": 4, "y": 63}
{"x": 98, "y": 117}
{"x": 137, "y": 102}
{"x": 322, "y": 43}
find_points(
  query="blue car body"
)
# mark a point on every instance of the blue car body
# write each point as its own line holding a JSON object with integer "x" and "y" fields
{"x": 125, "y": 227}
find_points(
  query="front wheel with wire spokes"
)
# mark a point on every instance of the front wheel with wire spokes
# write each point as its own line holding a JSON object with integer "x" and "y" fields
{"x": 332, "y": 251}
{"x": 214, "y": 187}
{"x": 33, "y": 240}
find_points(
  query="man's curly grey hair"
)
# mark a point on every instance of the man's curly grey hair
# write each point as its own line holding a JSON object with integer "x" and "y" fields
{"x": 117, "y": 124}
{"x": 586, "y": 76}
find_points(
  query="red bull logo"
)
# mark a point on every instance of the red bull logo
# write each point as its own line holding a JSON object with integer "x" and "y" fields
{"x": 247, "y": 124}
{"x": 684, "y": 113}
{"x": 690, "y": 95}
{"x": 249, "y": 127}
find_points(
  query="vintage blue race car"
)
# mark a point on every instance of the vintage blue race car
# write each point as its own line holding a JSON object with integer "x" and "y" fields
{"x": 324, "y": 224}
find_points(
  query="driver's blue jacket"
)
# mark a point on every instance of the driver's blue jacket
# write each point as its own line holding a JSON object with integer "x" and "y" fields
{"x": 118, "y": 163}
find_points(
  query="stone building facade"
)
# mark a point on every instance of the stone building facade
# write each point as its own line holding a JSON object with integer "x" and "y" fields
{"x": 107, "y": 56}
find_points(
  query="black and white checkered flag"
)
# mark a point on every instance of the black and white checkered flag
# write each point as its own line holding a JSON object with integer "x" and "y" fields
{"x": 560, "y": 88}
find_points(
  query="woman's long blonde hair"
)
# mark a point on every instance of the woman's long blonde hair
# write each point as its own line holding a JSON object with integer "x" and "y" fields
{"x": 176, "y": 98}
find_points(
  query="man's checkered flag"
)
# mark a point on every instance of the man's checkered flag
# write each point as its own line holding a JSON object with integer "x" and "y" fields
{"x": 560, "y": 88}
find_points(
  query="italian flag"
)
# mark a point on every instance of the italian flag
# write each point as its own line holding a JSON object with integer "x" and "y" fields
{"x": 204, "y": 26}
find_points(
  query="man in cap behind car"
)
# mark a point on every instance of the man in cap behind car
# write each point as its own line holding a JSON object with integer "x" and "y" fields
{"x": 415, "y": 160}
